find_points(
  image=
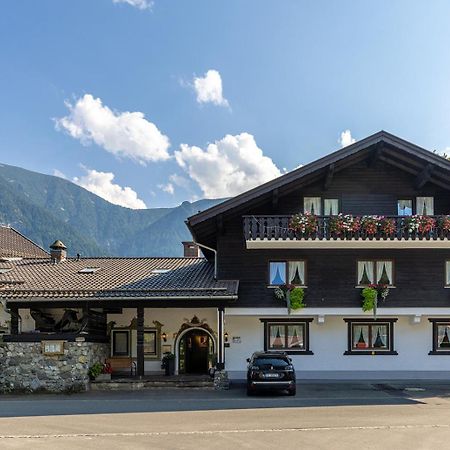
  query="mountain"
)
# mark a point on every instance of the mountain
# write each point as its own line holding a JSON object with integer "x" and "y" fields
{"x": 45, "y": 208}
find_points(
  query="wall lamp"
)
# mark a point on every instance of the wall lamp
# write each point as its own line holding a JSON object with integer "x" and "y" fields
{"x": 225, "y": 336}
{"x": 164, "y": 336}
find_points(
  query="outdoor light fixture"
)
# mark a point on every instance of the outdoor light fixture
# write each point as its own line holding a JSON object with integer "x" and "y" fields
{"x": 164, "y": 337}
{"x": 225, "y": 336}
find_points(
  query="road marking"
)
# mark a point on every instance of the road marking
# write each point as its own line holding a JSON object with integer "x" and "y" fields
{"x": 211, "y": 432}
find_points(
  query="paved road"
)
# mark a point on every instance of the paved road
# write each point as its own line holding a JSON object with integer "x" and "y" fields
{"x": 322, "y": 416}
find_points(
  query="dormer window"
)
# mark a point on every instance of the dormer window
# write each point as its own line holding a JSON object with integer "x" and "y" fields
{"x": 425, "y": 206}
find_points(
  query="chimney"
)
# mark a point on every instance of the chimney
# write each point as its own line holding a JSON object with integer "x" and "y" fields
{"x": 58, "y": 252}
{"x": 191, "y": 249}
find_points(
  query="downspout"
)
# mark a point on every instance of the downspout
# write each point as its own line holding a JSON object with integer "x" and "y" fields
{"x": 215, "y": 256}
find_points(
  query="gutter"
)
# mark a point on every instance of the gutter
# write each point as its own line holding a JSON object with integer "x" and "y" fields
{"x": 215, "y": 256}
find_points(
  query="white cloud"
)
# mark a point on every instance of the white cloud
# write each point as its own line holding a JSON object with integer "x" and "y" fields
{"x": 124, "y": 134}
{"x": 180, "y": 181}
{"x": 101, "y": 184}
{"x": 209, "y": 89}
{"x": 228, "y": 167}
{"x": 167, "y": 188}
{"x": 346, "y": 138}
{"x": 140, "y": 4}
{"x": 59, "y": 174}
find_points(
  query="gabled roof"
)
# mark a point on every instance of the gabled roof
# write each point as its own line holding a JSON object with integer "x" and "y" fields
{"x": 392, "y": 149}
{"x": 15, "y": 245}
{"x": 136, "y": 278}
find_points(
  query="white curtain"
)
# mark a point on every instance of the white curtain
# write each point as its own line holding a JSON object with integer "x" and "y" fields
{"x": 425, "y": 206}
{"x": 312, "y": 205}
{"x": 404, "y": 207}
{"x": 380, "y": 266}
{"x": 295, "y": 266}
{"x": 331, "y": 207}
{"x": 447, "y": 273}
{"x": 368, "y": 265}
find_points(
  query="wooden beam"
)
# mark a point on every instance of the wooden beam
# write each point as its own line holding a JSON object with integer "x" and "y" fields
{"x": 424, "y": 176}
{"x": 219, "y": 224}
{"x": 329, "y": 177}
{"x": 375, "y": 154}
{"x": 140, "y": 341}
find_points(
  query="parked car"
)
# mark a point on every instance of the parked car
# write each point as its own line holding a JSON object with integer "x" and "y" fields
{"x": 270, "y": 370}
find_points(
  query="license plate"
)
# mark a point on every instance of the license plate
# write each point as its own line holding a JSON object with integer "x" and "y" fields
{"x": 271, "y": 375}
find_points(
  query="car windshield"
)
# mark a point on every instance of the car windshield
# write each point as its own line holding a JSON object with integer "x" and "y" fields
{"x": 276, "y": 363}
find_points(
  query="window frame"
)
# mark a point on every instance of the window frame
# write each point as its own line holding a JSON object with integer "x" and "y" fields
{"x": 304, "y": 321}
{"x": 313, "y": 196}
{"x": 375, "y": 261}
{"x": 286, "y": 272}
{"x": 424, "y": 196}
{"x": 157, "y": 353}
{"x": 382, "y": 321}
{"x": 434, "y": 343}
{"x": 113, "y": 342}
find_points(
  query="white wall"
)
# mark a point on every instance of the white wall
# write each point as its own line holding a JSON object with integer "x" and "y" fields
{"x": 328, "y": 341}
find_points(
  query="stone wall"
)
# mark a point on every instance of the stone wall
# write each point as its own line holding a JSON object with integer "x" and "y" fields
{"x": 23, "y": 367}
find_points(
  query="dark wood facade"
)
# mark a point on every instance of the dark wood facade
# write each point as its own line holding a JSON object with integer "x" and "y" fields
{"x": 366, "y": 186}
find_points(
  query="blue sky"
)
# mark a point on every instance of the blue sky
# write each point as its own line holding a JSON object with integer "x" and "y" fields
{"x": 295, "y": 75}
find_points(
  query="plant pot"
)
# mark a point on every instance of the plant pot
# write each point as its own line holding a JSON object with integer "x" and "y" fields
{"x": 169, "y": 367}
{"x": 103, "y": 377}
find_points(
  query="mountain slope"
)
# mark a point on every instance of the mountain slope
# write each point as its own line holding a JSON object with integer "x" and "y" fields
{"x": 46, "y": 208}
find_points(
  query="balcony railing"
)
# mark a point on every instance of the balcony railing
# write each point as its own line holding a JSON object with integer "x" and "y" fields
{"x": 339, "y": 231}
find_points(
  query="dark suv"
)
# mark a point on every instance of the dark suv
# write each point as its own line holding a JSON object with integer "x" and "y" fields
{"x": 270, "y": 370}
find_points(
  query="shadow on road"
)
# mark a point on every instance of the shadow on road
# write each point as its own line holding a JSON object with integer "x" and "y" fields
{"x": 309, "y": 394}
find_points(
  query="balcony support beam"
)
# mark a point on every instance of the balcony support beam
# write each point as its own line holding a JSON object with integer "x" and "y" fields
{"x": 424, "y": 176}
{"x": 375, "y": 154}
{"x": 329, "y": 177}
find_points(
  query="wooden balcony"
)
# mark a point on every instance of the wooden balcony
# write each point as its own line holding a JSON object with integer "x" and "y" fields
{"x": 346, "y": 232}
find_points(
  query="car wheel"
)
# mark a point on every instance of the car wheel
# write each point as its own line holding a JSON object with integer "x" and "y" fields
{"x": 292, "y": 391}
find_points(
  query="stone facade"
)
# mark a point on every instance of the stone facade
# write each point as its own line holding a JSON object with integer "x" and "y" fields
{"x": 23, "y": 367}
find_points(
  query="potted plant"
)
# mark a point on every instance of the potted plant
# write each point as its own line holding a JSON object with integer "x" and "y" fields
{"x": 371, "y": 295}
{"x": 100, "y": 372}
{"x": 292, "y": 295}
{"x": 168, "y": 363}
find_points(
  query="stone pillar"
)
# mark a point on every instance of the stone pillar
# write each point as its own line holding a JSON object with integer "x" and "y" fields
{"x": 140, "y": 341}
{"x": 14, "y": 311}
{"x": 220, "y": 340}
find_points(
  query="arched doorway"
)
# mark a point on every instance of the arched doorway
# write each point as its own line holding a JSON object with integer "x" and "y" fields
{"x": 195, "y": 349}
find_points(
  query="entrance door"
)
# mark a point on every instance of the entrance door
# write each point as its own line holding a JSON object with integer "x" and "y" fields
{"x": 196, "y": 349}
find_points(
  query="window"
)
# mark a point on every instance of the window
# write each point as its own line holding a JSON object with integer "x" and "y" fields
{"x": 331, "y": 207}
{"x": 441, "y": 336}
{"x": 425, "y": 206}
{"x": 404, "y": 207}
{"x": 291, "y": 336}
{"x": 287, "y": 272}
{"x": 370, "y": 336}
{"x": 312, "y": 205}
{"x": 120, "y": 343}
{"x": 150, "y": 343}
{"x": 375, "y": 272}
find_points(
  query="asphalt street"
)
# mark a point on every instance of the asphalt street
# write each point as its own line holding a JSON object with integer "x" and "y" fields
{"x": 321, "y": 416}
